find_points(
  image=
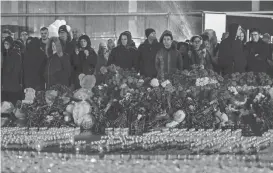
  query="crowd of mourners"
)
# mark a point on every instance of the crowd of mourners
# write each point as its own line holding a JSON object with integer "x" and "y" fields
{"x": 38, "y": 63}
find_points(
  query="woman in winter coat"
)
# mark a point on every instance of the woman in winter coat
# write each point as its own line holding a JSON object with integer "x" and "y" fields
{"x": 84, "y": 59}
{"x": 125, "y": 55}
{"x": 231, "y": 54}
{"x": 103, "y": 55}
{"x": 11, "y": 76}
{"x": 58, "y": 68}
{"x": 34, "y": 65}
{"x": 198, "y": 53}
{"x": 168, "y": 59}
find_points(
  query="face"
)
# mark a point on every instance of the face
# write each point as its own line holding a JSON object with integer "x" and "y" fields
{"x": 239, "y": 31}
{"x": 255, "y": 36}
{"x": 183, "y": 49}
{"x": 54, "y": 49}
{"x": 6, "y": 45}
{"x": 4, "y": 35}
{"x": 24, "y": 36}
{"x": 242, "y": 36}
{"x": 75, "y": 33}
{"x": 207, "y": 45}
{"x": 63, "y": 36}
{"x": 152, "y": 36}
{"x": 196, "y": 43}
{"x": 124, "y": 40}
{"x": 44, "y": 34}
{"x": 110, "y": 44}
{"x": 167, "y": 41}
{"x": 83, "y": 43}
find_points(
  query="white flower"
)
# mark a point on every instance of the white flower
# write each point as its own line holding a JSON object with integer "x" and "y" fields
{"x": 105, "y": 85}
{"x": 123, "y": 86}
{"x": 149, "y": 89}
{"x": 141, "y": 81}
{"x": 179, "y": 116}
{"x": 139, "y": 116}
{"x": 100, "y": 87}
{"x": 165, "y": 83}
{"x": 154, "y": 82}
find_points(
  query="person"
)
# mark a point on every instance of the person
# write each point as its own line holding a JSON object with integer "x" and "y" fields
{"x": 224, "y": 36}
{"x": 198, "y": 53}
{"x": 84, "y": 59}
{"x": 58, "y": 67}
{"x": 103, "y": 56}
{"x": 44, "y": 38}
{"x": 5, "y": 34}
{"x": 257, "y": 53}
{"x": 76, "y": 35}
{"x": 125, "y": 55}
{"x": 110, "y": 45}
{"x": 23, "y": 37}
{"x": 231, "y": 55}
{"x": 242, "y": 37}
{"x": 147, "y": 54}
{"x": 34, "y": 65}
{"x": 183, "y": 48}
{"x": 168, "y": 59}
{"x": 11, "y": 74}
{"x": 66, "y": 39}
{"x": 267, "y": 39}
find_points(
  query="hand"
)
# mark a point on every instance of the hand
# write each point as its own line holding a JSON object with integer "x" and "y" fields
{"x": 77, "y": 51}
{"x": 86, "y": 52}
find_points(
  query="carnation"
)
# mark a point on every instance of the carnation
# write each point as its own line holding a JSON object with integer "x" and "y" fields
{"x": 154, "y": 82}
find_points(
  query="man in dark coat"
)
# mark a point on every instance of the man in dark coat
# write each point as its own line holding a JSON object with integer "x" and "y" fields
{"x": 168, "y": 59}
{"x": 257, "y": 53}
{"x": 231, "y": 55}
{"x": 11, "y": 74}
{"x": 44, "y": 38}
{"x": 147, "y": 53}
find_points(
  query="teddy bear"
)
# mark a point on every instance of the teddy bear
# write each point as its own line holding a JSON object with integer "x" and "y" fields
{"x": 81, "y": 110}
{"x": 29, "y": 96}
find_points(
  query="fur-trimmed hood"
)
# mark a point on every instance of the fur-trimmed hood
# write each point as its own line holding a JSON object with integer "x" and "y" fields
{"x": 58, "y": 44}
{"x": 130, "y": 43}
{"x": 85, "y": 37}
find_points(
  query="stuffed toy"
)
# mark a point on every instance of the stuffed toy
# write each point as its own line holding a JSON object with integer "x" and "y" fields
{"x": 81, "y": 111}
{"x": 29, "y": 96}
{"x": 87, "y": 82}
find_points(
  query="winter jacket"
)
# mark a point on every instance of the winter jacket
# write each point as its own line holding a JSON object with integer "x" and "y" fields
{"x": 34, "y": 66}
{"x": 168, "y": 61}
{"x": 102, "y": 60}
{"x": 147, "y": 55}
{"x": 201, "y": 57}
{"x": 257, "y": 54}
{"x": 12, "y": 69}
{"x": 231, "y": 55}
{"x": 125, "y": 57}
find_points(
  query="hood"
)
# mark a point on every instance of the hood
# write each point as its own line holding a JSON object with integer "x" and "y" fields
{"x": 59, "y": 48}
{"x": 8, "y": 39}
{"x": 232, "y": 29}
{"x": 130, "y": 42}
{"x": 85, "y": 37}
{"x": 174, "y": 43}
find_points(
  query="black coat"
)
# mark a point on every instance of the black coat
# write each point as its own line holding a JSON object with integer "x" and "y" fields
{"x": 124, "y": 57}
{"x": 34, "y": 66}
{"x": 147, "y": 55}
{"x": 259, "y": 62}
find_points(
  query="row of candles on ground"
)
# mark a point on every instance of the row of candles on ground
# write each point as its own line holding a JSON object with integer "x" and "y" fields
{"x": 15, "y": 137}
{"x": 30, "y": 160}
{"x": 200, "y": 141}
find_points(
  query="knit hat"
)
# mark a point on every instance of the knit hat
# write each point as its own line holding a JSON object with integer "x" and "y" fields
{"x": 63, "y": 29}
{"x": 149, "y": 31}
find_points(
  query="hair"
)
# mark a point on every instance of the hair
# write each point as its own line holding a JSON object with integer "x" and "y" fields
{"x": 44, "y": 28}
{"x": 205, "y": 37}
{"x": 244, "y": 32}
{"x": 167, "y": 35}
{"x": 194, "y": 37}
{"x": 255, "y": 30}
{"x": 7, "y": 31}
{"x": 49, "y": 51}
